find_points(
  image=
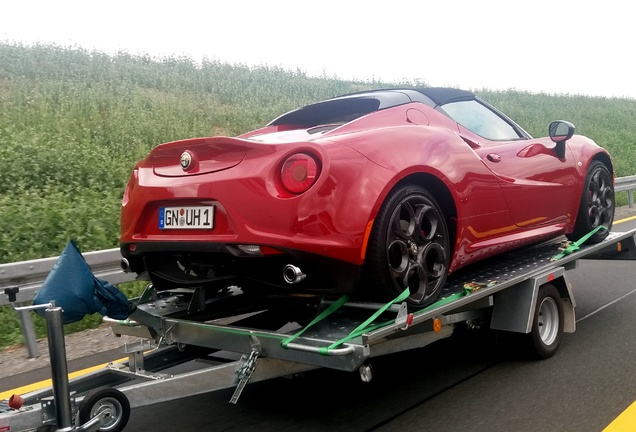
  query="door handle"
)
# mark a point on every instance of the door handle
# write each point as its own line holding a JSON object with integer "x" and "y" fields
{"x": 494, "y": 157}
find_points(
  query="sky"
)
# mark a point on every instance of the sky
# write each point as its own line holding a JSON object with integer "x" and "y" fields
{"x": 556, "y": 47}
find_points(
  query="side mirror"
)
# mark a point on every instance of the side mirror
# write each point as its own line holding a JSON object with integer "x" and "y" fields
{"x": 560, "y": 131}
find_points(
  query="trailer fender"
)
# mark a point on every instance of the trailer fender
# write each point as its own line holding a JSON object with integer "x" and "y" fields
{"x": 514, "y": 307}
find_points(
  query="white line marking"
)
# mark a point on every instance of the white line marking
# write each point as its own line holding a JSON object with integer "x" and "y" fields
{"x": 607, "y": 305}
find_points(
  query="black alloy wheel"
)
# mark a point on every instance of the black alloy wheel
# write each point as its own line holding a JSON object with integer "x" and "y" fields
{"x": 409, "y": 247}
{"x": 597, "y": 204}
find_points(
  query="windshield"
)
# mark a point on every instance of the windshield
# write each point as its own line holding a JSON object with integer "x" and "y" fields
{"x": 481, "y": 120}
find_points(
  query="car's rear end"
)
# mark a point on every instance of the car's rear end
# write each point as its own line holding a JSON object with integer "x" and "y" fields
{"x": 220, "y": 211}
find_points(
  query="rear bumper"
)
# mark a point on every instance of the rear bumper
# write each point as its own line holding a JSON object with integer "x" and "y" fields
{"x": 191, "y": 264}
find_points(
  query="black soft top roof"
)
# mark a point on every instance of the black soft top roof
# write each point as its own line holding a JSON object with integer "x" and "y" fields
{"x": 438, "y": 95}
{"x": 442, "y": 95}
{"x": 353, "y": 105}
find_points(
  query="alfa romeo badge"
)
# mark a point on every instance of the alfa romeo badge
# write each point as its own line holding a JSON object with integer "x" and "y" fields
{"x": 186, "y": 160}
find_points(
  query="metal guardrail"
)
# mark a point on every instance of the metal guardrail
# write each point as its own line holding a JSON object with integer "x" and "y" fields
{"x": 29, "y": 275}
{"x": 628, "y": 184}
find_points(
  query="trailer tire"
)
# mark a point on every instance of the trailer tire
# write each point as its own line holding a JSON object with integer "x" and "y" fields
{"x": 106, "y": 400}
{"x": 547, "y": 326}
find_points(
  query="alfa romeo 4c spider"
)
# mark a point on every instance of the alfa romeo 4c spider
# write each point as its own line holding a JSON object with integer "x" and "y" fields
{"x": 366, "y": 193}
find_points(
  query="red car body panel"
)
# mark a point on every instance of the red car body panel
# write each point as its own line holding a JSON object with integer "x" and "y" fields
{"x": 504, "y": 193}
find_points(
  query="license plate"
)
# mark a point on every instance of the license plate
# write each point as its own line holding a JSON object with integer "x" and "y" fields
{"x": 201, "y": 217}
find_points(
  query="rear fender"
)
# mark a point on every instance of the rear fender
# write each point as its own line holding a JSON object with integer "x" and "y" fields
{"x": 436, "y": 152}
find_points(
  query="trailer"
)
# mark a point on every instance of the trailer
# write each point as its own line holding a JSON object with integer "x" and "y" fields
{"x": 193, "y": 342}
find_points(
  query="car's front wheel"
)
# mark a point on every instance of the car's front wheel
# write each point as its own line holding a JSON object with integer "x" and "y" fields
{"x": 408, "y": 247}
{"x": 597, "y": 204}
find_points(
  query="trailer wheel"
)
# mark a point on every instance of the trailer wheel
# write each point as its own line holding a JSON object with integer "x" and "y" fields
{"x": 109, "y": 402}
{"x": 547, "y": 326}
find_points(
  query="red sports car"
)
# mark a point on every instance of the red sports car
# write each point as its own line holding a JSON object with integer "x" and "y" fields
{"x": 367, "y": 193}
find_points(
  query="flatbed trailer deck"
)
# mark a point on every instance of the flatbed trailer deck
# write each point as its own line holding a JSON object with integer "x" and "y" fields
{"x": 192, "y": 342}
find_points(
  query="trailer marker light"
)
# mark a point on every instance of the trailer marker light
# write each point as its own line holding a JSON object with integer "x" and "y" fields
{"x": 550, "y": 277}
{"x": 619, "y": 247}
{"x": 15, "y": 402}
{"x": 437, "y": 325}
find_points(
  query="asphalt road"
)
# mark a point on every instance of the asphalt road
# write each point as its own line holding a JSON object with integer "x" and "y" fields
{"x": 462, "y": 383}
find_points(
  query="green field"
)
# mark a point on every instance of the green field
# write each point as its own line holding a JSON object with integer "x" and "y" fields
{"x": 74, "y": 122}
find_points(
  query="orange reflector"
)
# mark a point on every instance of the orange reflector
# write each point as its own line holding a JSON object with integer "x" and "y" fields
{"x": 437, "y": 325}
{"x": 619, "y": 247}
{"x": 365, "y": 240}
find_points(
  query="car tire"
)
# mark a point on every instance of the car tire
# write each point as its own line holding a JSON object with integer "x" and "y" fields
{"x": 408, "y": 247}
{"x": 597, "y": 204}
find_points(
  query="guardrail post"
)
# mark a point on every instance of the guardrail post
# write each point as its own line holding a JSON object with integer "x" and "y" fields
{"x": 626, "y": 184}
{"x": 28, "y": 331}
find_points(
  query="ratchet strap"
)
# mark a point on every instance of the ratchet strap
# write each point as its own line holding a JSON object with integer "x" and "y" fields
{"x": 574, "y": 246}
{"x": 469, "y": 288}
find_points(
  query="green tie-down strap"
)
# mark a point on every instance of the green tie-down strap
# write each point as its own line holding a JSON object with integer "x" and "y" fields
{"x": 324, "y": 314}
{"x": 574, "y": 246}
{"x": 445, "y": 300}
{"x": 469, "y": 288}
{"x": 365, "y": 326}
{"x": 362, "y": 328}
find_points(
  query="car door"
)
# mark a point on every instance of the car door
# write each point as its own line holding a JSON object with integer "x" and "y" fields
{"x": 539, "y": 187}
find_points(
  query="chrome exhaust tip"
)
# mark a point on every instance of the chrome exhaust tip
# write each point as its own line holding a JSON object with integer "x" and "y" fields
{"x": 293, "y": 274}
{"x": 125, "y": 265}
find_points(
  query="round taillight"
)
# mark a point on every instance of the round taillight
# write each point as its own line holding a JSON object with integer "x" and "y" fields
{"x": 299, "y": 172}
